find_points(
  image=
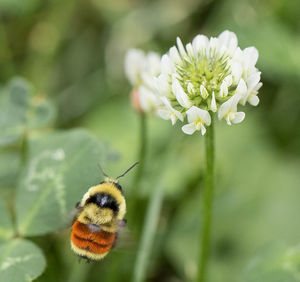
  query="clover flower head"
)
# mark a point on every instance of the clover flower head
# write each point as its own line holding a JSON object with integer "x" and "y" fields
{"x": 207, "y": 76}
{"x": 140, "y": 69}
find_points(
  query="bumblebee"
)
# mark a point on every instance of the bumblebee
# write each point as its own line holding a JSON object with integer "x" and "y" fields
{"x": 100, "y": 214}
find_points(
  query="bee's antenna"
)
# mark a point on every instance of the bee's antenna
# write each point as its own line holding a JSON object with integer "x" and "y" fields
{"x": 127, "y": 170}
{"x": 101, "y": 169}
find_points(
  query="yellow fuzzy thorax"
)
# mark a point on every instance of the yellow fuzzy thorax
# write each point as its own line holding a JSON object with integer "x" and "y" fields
{"x": 103, "y": 217}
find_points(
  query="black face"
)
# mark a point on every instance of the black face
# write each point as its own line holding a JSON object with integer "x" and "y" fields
{"x": 104, "y": 200}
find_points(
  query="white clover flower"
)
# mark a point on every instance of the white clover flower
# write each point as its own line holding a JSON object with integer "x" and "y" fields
{"x": 207, "y": 76}
{"x": 228, "y": 110}
{"x": 167, "y": 112}
{"x": 148, "y": 100}
{"x": 197, "y": 118}
{"x": 141, "y": 70}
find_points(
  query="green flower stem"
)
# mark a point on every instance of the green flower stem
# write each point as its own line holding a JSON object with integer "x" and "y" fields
{"x": 208, "y": 196}
{"x": 141, "y": 166}
{"x": 149, "y": 231}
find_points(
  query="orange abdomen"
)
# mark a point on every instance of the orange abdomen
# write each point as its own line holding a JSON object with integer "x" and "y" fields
{"x": 97, "y": 242}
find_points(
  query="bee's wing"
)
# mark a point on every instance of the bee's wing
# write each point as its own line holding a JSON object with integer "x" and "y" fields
{"x": 71, "y": 217}
{"x": 124, "y": 238}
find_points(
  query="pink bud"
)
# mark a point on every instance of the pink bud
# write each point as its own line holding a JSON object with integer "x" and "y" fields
{"x": 135, "y": 101}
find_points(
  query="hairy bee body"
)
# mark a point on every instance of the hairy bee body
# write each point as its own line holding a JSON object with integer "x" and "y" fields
{"x": 100, "y": 213}
{"x": 91, "y": 244}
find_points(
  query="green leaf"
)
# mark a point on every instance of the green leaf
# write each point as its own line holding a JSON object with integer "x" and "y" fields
{"x": 60, "y": 169}
{"x": 13, "y": 106}
{"x": 9, "y": 168}
{"x": 20, "y": 260}
{"x": 275, "y": 264}
{"x": 6, "y": 228}
{"x": 20, "y": 110}
{"x": 41, "y": 114}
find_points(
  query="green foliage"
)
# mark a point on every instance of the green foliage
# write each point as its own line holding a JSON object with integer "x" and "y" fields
{"x": 9, "y": 165}
{"x": 6, "y": 228}
{"x": 249, "y": 204}
{"x": 21, "y": 111}
{"x": 20, "y": 260}
{"x": 56, "y": 169}
{"x": 60, "y": 167}
{"x": 14, "y": 104}
{"x": 275, "y": 264}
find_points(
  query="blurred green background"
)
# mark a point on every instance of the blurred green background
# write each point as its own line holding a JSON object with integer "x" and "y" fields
{"x": 73, "y": 53}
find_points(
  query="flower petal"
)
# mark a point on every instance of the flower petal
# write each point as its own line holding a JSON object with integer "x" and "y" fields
{"x": 228, "y": 80}
{"x": 214, "y": 46}
{"x": 200, "y": 44}
{"x": 147, "y": 99}
{"x": 171, "y": 110}
{"x": 242, "y": 90}
{"x": 163, "y": 113}
{"x": 195, "y": 113}
{"x": 203, "y": 92}
{"x": 203, "y": 129}
{"x": 192, "y": 114}
{"x": 228, "y": 39}
{"x": 167, "y": 65}
{"x": 223, "y": 89}
{"x": 258, "y": 86}
{"x": 229, "y": 105}
{"x": 253, "y": 100}
{"x": 190, "y": 50}
{"x": 253, "y": 80}
{"x": 173, "y": 119}
{"x": 236, "y": 70}
{"x": 181, "y": 48}
{"x": 189, "y": 128}
{"x": 148, "y": 79}
{"x": 134, "y": 64}
{"x": 180, "y": 95}
{"x": 205, "y": 116}
{"x": 153, "y": 63}
{"x": 213, "y": 105}
{"x": 190, "y": 88}
{"x": 250, "y": 56}
{"x": 162, "y": 86}
{"x": 239, "y": 117}
{"x": 174, "y": 55}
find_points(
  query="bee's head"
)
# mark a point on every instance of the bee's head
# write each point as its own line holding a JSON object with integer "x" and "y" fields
{"x": 102, "y": 208}
{"x": 103, "y": 203}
